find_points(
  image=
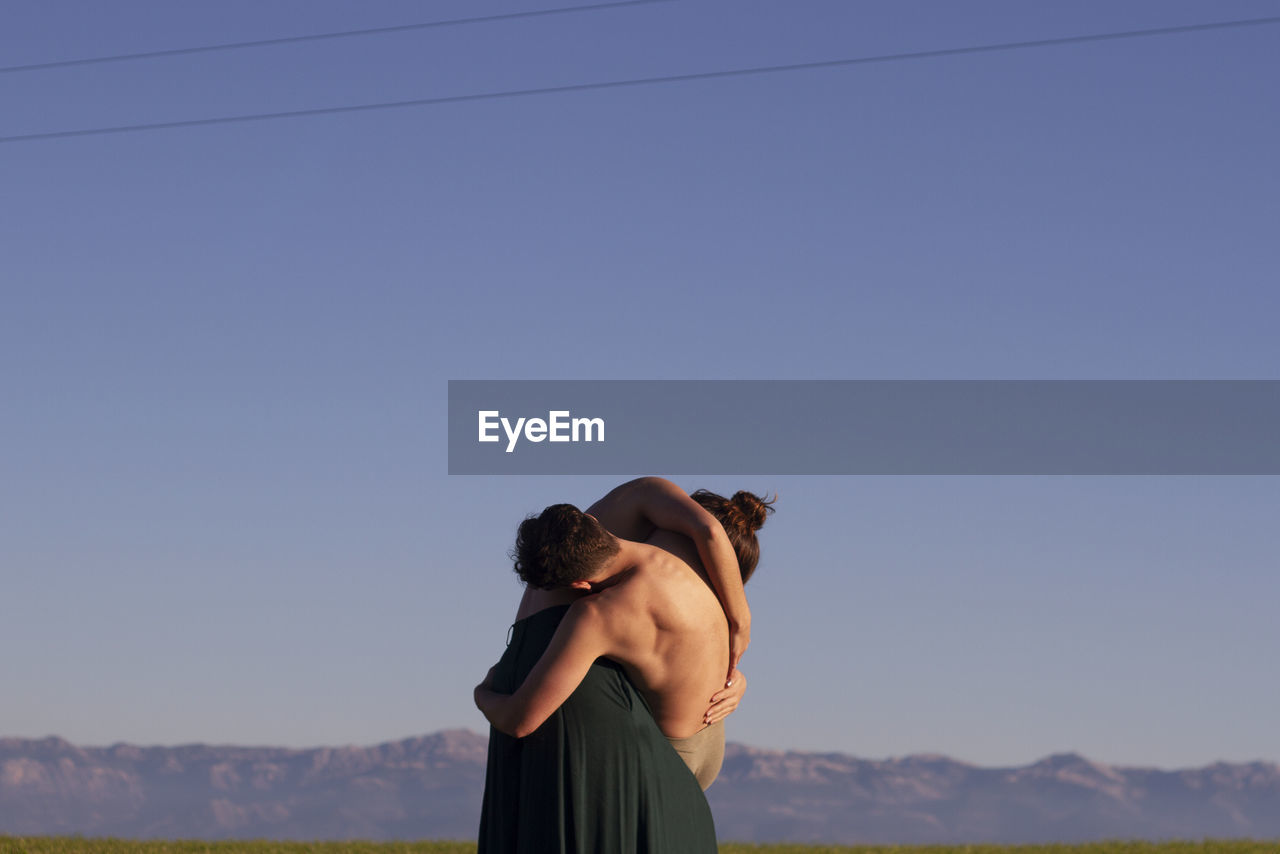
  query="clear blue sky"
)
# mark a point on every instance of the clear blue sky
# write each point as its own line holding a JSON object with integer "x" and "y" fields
{"x": 224, "y": 512}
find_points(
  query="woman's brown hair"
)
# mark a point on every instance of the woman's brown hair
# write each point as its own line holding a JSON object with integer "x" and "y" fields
{"x": 740, "y": 516}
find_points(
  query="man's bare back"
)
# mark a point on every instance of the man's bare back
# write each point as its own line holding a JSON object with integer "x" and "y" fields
{"x": 658, "y": 618}
{"x": 668, "y": 629}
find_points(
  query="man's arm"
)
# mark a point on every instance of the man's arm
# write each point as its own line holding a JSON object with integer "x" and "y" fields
{"x": 664, "y": 505}
{"x": 580, "y": 639}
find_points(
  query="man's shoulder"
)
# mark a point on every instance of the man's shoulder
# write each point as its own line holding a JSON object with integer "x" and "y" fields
{"x": 662, "y": 591}
{"x": 631, "y": 585}
{"x": 616, "y": 613}
{"x": 666, "y": 575}
{"x": 638, "y": 588}
{"x": 647, "y": 580}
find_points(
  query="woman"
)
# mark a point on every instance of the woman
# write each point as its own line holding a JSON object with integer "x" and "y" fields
{"x": 599, "y": 775}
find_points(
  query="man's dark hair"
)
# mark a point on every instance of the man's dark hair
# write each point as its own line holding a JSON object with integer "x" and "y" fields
{"x": 559, "y": 546}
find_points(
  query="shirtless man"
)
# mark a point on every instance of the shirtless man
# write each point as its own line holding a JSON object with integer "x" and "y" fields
{"x": 654, "y": 611}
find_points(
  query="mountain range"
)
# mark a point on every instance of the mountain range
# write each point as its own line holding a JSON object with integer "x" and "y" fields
{"x": 430, "y": 787}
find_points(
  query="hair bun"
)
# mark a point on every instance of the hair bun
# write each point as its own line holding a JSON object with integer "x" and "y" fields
{"x": 753, "y": 508}
{"x": 740, "y": 516}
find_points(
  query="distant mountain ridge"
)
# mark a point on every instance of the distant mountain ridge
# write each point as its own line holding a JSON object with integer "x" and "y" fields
{"x": 430, "y": 787}
{"x": 927, "y": 798}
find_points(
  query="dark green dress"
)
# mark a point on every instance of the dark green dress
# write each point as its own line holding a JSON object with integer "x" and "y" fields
{"x": 598, "y": 777}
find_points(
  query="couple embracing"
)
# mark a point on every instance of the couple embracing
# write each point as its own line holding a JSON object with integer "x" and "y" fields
{"x": 608, "y": 705}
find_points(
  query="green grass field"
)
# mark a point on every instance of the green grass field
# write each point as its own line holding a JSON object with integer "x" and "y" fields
{"x": 77, "y": 845}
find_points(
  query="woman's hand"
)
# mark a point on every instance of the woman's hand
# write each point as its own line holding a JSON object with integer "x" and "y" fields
{"x": 726, "y": 701}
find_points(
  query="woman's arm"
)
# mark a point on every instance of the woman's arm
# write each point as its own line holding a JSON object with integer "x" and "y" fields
{"x": 635, "y": 508}
{"x": 580, "y": 639}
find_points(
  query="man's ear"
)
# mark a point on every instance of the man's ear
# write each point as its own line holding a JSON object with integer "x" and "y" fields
{"x": 581, "y": 585}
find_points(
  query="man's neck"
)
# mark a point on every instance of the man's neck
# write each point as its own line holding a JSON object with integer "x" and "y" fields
{"x": 618, "y": 567}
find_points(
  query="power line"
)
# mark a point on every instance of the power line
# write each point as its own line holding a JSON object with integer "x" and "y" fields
{"x": 646, "y": 81}
{"x": 400, "y": 28}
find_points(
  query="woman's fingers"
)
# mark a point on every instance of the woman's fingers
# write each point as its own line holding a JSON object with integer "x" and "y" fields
{"x": 736, "y": 690}
{"x": 735, "y": 687}
{"x": 721, "y": 710}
